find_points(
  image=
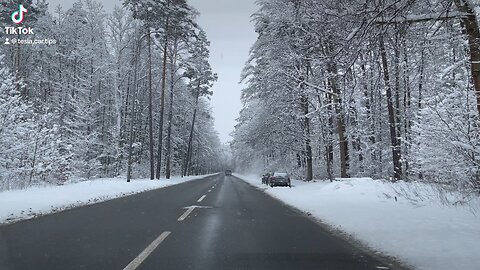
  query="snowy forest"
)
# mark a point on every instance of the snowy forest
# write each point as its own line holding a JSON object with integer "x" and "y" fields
{"x": 120, "y": 94}
{"x": 388, "y": 89}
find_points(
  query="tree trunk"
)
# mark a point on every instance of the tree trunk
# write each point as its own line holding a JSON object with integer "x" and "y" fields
{"x": 190, "y": 138}
{"x": 473, "y": 35}
{"x": 117, "y": 98}
{"x": 407, "y": 104}
{"x": 329, "y": 147}
{"x": 340, "y": 117}
{"x": 125, "y": 111}
{"x": 306, "y": 123}
{"x": 421, "y": 79}
{"x": 308, "y": 146}
{"x": 168, "y": 154}
{"x": 398, "y": 117}
{"x": 397, "y": 163}
{"x": 368, "y": 105}
{"x": 32, "y": 170}
{"x": 327, "y": 133}
{"x": 150, "y": 107}
{"x": 133, "y": 115}
{"x": 162, "y": 103}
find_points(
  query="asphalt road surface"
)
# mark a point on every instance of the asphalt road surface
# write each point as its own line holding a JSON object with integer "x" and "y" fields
{"x": 216, "y": 223}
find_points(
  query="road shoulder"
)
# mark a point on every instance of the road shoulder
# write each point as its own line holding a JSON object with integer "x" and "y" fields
{"x": 349, "y": 239}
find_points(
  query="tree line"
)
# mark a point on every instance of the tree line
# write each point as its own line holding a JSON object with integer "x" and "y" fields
{"x": 382, "y": 88}
{"x": 124, "y": 93}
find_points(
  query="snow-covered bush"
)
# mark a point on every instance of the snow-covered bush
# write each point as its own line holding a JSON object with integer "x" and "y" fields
{"x": 32, "y": 149}
{"x": 446, "y": 146}
{"x": 17, "y": 130}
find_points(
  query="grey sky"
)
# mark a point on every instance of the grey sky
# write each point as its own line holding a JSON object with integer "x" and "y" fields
{"x": 228, "y": 26}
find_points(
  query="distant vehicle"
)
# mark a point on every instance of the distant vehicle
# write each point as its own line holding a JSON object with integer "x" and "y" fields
{"x": 228, "y": 172}
{"x": 280, "y": 179}
{"x": 265, "y": 178}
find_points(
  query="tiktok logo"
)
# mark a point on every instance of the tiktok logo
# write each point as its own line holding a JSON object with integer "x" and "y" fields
{"x": 18, "y": 16}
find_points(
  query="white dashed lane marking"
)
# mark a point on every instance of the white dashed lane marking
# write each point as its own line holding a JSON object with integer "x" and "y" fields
{"x": 142, "y": 256}
{"x": 202, "y": 198}
{"x": 185, "y": 215}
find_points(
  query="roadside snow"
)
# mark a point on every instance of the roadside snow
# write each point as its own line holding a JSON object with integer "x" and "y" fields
{"x": 23, "y": 204}
{"x": 418, "y": 230}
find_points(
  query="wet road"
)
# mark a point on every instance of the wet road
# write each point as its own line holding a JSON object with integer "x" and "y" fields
{"x": 219, "y": 222}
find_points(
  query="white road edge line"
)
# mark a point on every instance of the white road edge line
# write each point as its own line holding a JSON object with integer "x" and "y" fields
{"x": 201, "y": 198}
{"x": 185, "y": 215}
{"x": 142, "y": 256}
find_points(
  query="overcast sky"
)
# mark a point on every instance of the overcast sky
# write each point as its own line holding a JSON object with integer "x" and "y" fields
{"x": 228, "y": 26}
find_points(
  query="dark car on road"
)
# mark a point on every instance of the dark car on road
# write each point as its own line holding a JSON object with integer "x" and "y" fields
{"x": 280, "y": 179}
{"x": 228, "y": 172}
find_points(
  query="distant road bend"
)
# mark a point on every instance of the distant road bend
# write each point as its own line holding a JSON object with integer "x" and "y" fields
{"x": 216, "y": 223}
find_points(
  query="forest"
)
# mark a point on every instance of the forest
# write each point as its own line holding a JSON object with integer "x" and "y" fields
{"x": 388, "y": 89}
{"x": 120, "y": 94}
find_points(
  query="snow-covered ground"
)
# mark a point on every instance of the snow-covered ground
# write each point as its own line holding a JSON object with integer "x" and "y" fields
{"x": 417, "y": 228}
{"x": 17, "y": 205}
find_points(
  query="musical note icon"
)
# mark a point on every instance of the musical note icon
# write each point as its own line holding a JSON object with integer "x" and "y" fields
{"x": 18, "y": 16}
